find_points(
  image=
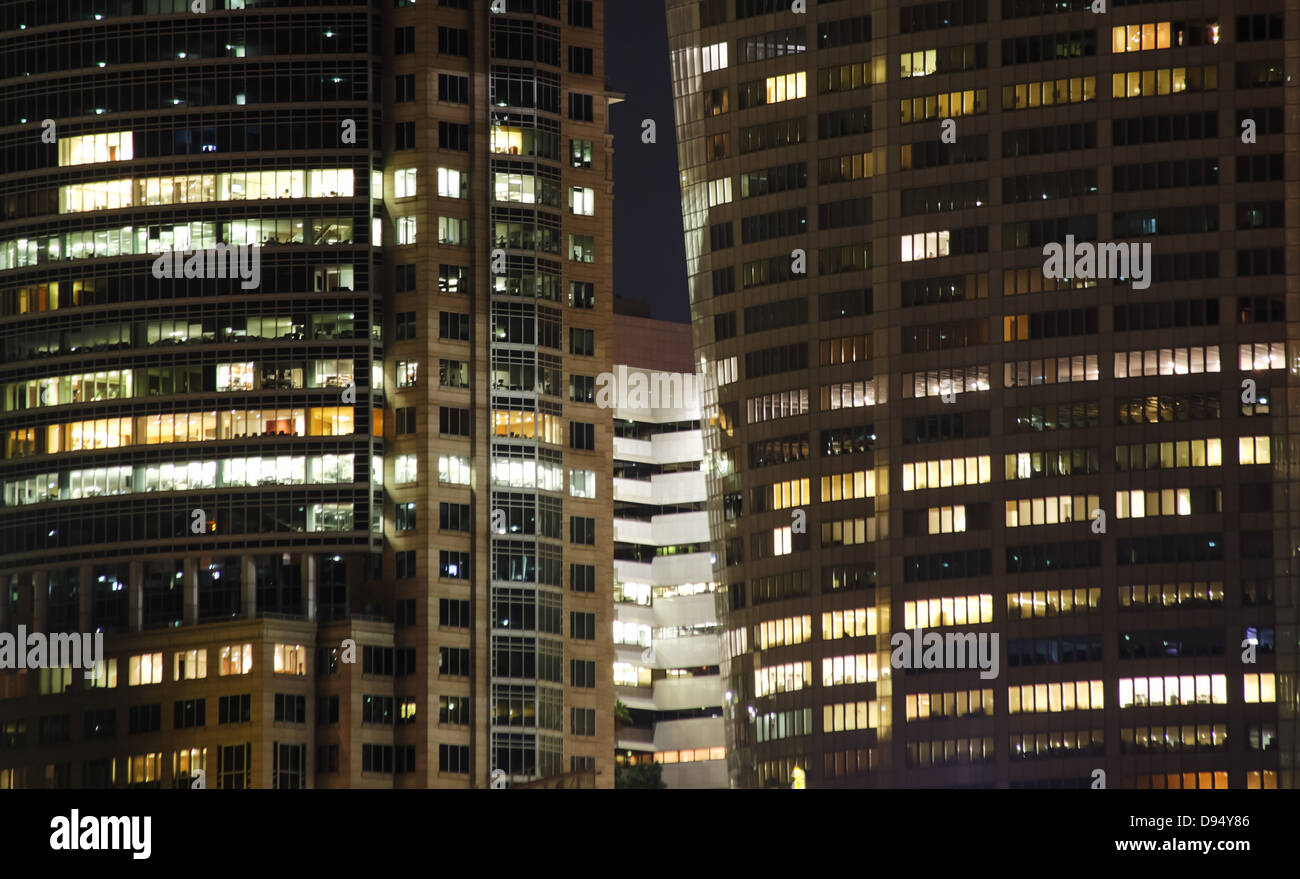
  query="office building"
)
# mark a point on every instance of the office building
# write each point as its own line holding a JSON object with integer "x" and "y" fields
{"x": 918, "y": 404}
{"x": 666, "y": 633}
{"x": 380, "y": 438}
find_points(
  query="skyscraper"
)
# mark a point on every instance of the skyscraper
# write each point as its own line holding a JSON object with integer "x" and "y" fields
{"x": 927, "y": 389}
{"x": 666, "y": 634}
{"x": 365, "y": 443}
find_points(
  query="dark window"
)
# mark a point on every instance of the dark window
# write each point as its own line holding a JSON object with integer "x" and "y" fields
{"x": 724, "y": 326}
{"x": 377, "y": 661}
{"x": 235, "y": 709}
{"x": 453, "y": 89}
{"x": 453, "y": 661}
{"x": 581, "y": 107}
{"x": 377, "y": 709}
{"x": 453, "y": 326}
{"x": 327, "y": 710}
{"x": 406, "y": 422}
{"x": 582, "y": 578}
{"x": 404, "y": 136}
{"x": 404, "y": 278}
{"x": 582, "y": 721}
{"x": 581, "y": 60}
{"x": 290, "y": 708}
{"x": 582, "y": 625}
{"x": 453, "y": 612}
{"x": 453, "y": 41}
{"x": 452, "y": 136}
{"x": 453, "y": 517}
{"x": 582, "y": 342}
{"x": 405, "y": 325}
{"x": 453, "y": 758}
{"x": 405, "y": 564}
{"x": 405, "y": 89}
{"x": 452, "y": 421}
{"x": 582, "y": 436}
{"x": 582, "y": 673}
{"x": 377, "y": 758}
{"x": 580, "y": 13}
{"x": 188, "y": 713}
{"x": 101, "y": 723}
{"x": 403, "y": 40}
{"x": 144, "y": 718}
{"x": 582, "y": 530}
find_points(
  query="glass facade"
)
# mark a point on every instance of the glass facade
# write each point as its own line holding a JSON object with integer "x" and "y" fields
{"x": 232, "y": 293}
{"x": 850, "y": 328}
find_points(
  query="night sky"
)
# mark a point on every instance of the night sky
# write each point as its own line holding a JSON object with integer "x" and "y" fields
{"x": 649, "y": 256}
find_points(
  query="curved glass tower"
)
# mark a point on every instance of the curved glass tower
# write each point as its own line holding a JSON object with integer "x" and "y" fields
{"x": 287, "y": 295}
{"x": 968, "y": 274}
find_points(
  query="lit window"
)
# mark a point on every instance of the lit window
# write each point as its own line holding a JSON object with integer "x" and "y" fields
{"x": 189, "y": 665}
{"x": 781, "y": 541}
{"x": 1258, "y": 688}
{"x": 582, "y": 201}
{"x": 405, "y": 469}
{"x": 714, "y": 57}
{"x": 1254, "y": 450}
{"x": 404, "y": 182}
{"x": 408, "y": 373}
{"x": 144, "y": 668}
{"x": 235, "y": 659}
{"x": 787, "y": 87}
{"x": 89, "y": 149}
{"x": 921, "y": 63}
{"x": 453, "y": 469}
{"x": 290, "y": 659}
{"x": 924, "y": 245}
{"x": 582, "y": 483}
{"x": 103, "y": 675}
{"x": 144, "y": 768}
{"x": 719, "y": 191}
{"x": 451, "y": 183}
{"x": 406, "y": 230}
{"x": 52, "y": 681}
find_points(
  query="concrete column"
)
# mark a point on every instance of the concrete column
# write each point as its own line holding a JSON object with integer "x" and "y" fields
{"x": 4, "y": 603}
{"x": 190, "y": 583}
{"x": 40, "y": 601}
{"x": 135, "y": 597}
{"x": 248, "y": 581}
{"x": 85, "y": 598}
{"x": 309, "y": 578}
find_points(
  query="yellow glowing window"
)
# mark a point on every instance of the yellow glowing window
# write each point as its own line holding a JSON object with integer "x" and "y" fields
{"x": 1254, "y": 450}
{"x": 290, "y": 659}
{"x": 235, "y": 659}
{"x": 507, "y": 140}
{"x": 89, "y": 149}
{"x": 920, "y": 63}
{"x": 145, "y": 668}
{"x": 190, "y": 664}
{"x": 787, "y": 87}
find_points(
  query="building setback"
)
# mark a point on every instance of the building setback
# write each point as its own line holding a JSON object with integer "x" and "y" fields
{"x": 868, "y": 190}
{"x": 666, "y": 629}
{"x": 383, "y": 443}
